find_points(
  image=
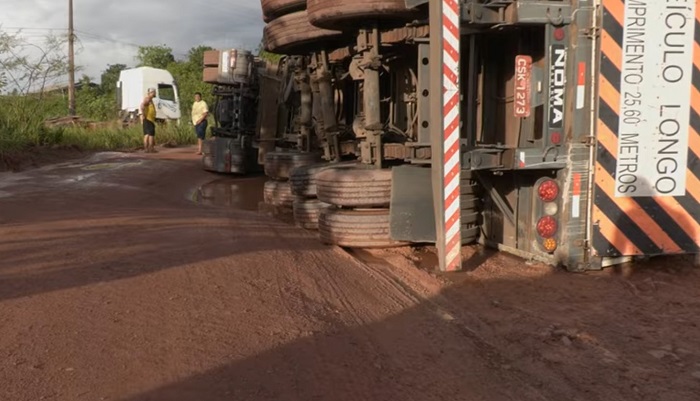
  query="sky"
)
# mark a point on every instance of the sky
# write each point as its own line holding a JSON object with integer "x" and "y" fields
{"x": 109, "y": 32}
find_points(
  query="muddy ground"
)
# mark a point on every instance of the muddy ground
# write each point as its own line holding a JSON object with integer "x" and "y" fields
{"x": 40, "y": 156}
{"x": 132, "y": 277}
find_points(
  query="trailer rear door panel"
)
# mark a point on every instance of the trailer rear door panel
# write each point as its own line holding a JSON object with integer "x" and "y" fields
{"x": 647, "y": 170}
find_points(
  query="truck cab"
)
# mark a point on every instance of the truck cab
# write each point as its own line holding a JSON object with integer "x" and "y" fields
{"x": 131, "y": 89}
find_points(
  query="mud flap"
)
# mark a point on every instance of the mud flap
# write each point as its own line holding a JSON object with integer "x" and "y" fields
{"x": 411, "y": 212}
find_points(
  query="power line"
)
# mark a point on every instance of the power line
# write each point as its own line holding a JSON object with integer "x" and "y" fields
{"x": 98, "y": 37}
{"x": 29, "y": 28}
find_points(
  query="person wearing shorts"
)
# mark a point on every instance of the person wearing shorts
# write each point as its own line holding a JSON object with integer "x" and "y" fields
{"x": 200, "y": 112}
{"x": 148, "y": 120}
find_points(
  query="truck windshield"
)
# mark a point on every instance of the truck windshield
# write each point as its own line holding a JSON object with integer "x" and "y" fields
{"x": 166, "y": 92}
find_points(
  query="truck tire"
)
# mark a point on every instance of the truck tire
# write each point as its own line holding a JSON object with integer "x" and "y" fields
{"x": 470, "y": 199}
{"x": 333, "y": 14}
{"x": 354, "y": 186}
{"x": 293, "y": 34}
{"x": 272, "y": 9}
{"x": 470, "y": 234}
{"x": 303, "y": 178}
{"x": 306, "y": 212}
{"x": 361, "y": 228}
{"x": 278, "y": 193}
{"x": 278, "y": 165}
{"x": 469, "y": 185}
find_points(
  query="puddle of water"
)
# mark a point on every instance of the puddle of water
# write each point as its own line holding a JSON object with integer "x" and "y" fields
{"x": 110, "y": 166}
{"x": 103, "y": 160}
{"x": 78, "y": 178}
{"x": 239, "y": 193}
{"x": 102, "y": 156}
{"x": 10, "y": 179}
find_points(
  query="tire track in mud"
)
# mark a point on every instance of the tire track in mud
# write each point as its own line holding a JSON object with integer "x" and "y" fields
{"x": 322, "y": 313}
{"x": 532, "y": 369}
{"x": 403, "y": 293}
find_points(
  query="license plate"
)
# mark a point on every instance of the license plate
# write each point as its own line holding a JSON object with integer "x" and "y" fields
{"x": 522, "y": 93}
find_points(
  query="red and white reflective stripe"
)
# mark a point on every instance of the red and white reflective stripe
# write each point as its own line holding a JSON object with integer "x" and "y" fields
{"x": 576, "y": 197}
{"x": 450, "y": 54}
{"x": 581, "y": 86}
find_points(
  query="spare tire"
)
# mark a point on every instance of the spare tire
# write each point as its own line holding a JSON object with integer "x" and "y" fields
{"x": 354, "y": 186}
{"x": 293, "y": 34}
{"x": 275, "y": 8}
{"x": 344, "y": 14}
{"x": 278, "y": 165}
{"x": 364, "y": 228}
{"x": 303, "y": 179}
{"x": 278, "y": 193}
{"x": 306, "y": 212}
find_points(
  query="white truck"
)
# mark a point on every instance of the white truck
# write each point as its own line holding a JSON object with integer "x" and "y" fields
{"x": 131, "y": 89}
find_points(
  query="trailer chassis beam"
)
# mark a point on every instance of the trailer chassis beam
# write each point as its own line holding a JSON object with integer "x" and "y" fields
{"x": 368, "y": 43}
{"x": 324, "y": 82}
{"x": 301, "y": 76}
{"x": 500, "y": 159}
{"x": 517, "y": 13}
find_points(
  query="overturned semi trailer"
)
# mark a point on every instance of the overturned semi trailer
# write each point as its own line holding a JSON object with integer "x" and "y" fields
{"x": 563, "y": 131}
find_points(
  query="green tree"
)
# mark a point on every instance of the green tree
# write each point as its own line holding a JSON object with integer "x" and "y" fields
{"x": 155, "y": 56}
{"x": 195, "y": 56}
{"x": 265, "y": 55}
{"x": 85, "y": 81}
{"x": 93, "y": 103}
{"x": 188, "y": 75}
{"x": 110, "y": 76}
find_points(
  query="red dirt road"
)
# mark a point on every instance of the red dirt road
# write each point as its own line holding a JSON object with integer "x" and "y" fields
{"x": 116, "y": 285}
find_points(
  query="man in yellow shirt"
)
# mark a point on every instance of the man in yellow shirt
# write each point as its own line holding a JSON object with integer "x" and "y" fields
{"x": 148, "y": 119}
{"x": 200, "y": 112}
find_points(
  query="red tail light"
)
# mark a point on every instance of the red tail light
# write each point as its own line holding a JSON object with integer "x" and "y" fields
{"x": 548, "y": 191}
{"x": 547, "y": 227}
{"x": 559, "y": 34}
{"x": 555, "y": 138}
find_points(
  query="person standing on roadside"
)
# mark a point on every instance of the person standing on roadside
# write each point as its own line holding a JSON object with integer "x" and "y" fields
{"x": 148, "y": 120}
{"x": 200, "y": 112}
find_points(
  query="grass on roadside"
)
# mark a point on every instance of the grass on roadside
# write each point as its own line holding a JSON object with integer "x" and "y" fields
{"x": 19, "y": 137}
{"x": 18, "y": 140}
{"x": 23, "y": 132}
{"x": 125, "y": 139}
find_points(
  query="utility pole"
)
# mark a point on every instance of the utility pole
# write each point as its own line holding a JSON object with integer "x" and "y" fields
{"x": 71, "y": 61}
